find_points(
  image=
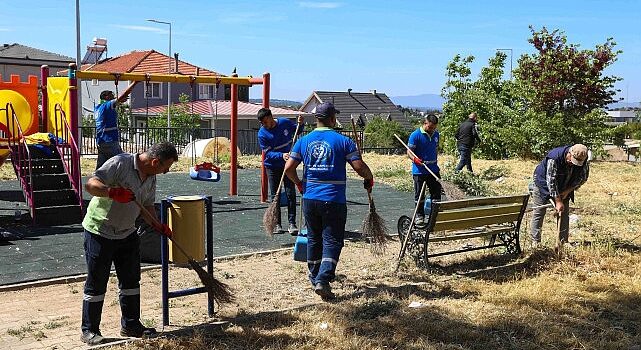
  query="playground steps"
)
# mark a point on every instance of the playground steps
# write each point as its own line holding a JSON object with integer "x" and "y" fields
{"x": 54, "y": 200}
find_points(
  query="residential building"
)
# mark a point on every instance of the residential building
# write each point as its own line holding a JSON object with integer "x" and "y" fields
{"x": 22, "y": 60}
{"x": 621, "y": 116}
{"x": 148, "y": 95}
{"x": 363, "y": 106}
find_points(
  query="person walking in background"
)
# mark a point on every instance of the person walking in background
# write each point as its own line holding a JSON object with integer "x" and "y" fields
{"x": 563, "y": 171}
{"x": 467, "y": 136}
{"x": 106, "y": 115}
{"x": 110, "y": 235}
{"x": 424, "y": 143}
{"x": 275, "y": 139}
{"x": 324, "y": 153}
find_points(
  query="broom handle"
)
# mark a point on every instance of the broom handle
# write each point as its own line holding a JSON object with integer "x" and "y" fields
{"x": 282, "y": 176}
{"x": 409, "y": 231}
{"x": 358, "y": 141}
{"x": 155, "y": 221}
{"x": 414, "y": 155}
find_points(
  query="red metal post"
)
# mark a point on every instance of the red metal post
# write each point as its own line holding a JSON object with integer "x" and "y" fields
{"x": 263, "y": 172}
{"x": 233, "y": 171}
{"x": 73, "y": 100}
{"x": 44, "y": 74}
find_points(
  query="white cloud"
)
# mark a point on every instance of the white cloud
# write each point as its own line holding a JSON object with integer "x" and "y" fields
{"x": 141, "y": 28}
{"x": 4, "y": 29}
{"x": 320, "y": 5}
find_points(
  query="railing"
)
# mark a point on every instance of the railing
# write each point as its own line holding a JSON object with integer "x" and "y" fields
{"x": 20, "y": 153}
{"x": 135, "y": 140}
{"x": 68, "y": 150}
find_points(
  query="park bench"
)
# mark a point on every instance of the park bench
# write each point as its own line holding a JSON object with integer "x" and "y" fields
{"x": 466, "y": 219}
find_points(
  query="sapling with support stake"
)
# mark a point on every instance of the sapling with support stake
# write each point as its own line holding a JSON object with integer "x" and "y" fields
{"x": 374, "y": 226}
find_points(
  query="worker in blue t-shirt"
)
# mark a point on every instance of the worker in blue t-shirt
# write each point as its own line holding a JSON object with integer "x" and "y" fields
{"x": 424, "y": 143}
{"x": 106, "y": 115}
{"x": 324, "y": 154}
{"x": 275, "y": 139}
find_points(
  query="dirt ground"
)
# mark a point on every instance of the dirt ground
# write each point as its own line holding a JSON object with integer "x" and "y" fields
{"x": 49, "y": 317}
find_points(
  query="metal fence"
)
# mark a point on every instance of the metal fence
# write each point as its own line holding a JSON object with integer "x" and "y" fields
{"x": 135, "y": 140}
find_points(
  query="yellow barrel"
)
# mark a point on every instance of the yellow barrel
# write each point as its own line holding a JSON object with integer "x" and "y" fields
{"x": 187, "y": 221}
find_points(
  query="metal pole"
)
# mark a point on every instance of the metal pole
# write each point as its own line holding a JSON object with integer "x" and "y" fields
{"x": 78, "y": 133}
{"x": 169, "y": 92}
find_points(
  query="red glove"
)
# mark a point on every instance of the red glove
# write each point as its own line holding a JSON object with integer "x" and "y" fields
{"x": 417, "y": 161}
{"x": 121, "y": 195}
{"x": 368, "y": 184}
{"x": 163, "y": 229}
{"x": 300, "y": 187}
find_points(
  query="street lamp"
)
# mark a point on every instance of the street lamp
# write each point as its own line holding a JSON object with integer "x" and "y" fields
{"x": 168, "y": 83}
{"x": 510, "y": 59}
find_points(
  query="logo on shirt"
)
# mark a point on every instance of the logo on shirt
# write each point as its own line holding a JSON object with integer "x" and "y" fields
{"x": 320, "y": 150}
{"x": 285, "y": 132}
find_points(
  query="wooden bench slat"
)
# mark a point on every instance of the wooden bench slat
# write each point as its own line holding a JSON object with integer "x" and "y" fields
{"x": 458, "y": 236}
{"x": 463, "y": 203}
{"x": 474, "y": 222}
{"x": 474, "y": 212}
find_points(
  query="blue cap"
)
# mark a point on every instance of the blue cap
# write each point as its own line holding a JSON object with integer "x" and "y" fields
{"x": 326, "y": 110}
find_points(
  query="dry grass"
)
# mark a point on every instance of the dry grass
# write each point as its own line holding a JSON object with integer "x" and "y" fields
{"x": 591, "y": 299}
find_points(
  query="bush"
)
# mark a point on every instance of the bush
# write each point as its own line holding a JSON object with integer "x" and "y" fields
{"x": 380, "y": 133}
{"x": 472, "y": 185}
{"x": 494, "y": 172}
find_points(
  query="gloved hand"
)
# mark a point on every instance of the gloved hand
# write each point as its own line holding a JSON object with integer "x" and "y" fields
{"x": 418, "y": 161}
{"x": 121, "y": 195}
{"x": 299, "y": 186}
{"x": 368, "y": 184}
{"x": 163, "y": 229}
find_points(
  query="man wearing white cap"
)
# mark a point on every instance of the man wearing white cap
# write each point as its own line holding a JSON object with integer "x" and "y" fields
{"x": 563, "y": 170}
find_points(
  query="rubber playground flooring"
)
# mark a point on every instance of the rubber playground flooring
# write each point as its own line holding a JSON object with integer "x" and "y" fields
{"x": 29, "y": 253}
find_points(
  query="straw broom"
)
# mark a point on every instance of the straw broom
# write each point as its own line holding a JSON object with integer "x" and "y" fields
{"x": 270, "y": 218}
{"x": 217, "y": 291}
{"x": 374, "y": 226}
{"x": 451, "y": 190}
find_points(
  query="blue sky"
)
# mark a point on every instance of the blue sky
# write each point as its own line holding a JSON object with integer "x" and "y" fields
{"x": 397, "y": 47}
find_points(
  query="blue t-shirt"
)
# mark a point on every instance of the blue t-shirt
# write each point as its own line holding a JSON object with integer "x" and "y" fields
{"x": 106, "y": 122}
{"x": 426, "y": 148}
{"x": 276, "y": 141}
{"x": 324, "y": 153}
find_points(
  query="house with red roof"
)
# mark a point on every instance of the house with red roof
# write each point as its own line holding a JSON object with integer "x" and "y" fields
{"x": 153, "y": 94}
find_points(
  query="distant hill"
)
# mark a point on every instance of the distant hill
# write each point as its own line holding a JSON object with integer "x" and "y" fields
{"x": 279, "y": 103}
{"x": 423, "y": 101}
{"x": 616, "y": 105}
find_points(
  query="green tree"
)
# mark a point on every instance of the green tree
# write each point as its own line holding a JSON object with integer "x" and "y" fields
{"x": 183, "y": 122}
{"x": 566, "y": 90}
{"x": 379, "y": 132}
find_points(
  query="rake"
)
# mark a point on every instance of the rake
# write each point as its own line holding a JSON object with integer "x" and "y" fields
{"x": 217, "y": 291}
{"x": 374, "y": 226}
{"x": 451, "y": 190}
{"x": 270, "y": 218}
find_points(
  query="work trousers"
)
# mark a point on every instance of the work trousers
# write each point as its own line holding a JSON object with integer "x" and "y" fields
{"x": 538, "y": 215}
{"x": 273, "y": 175}
{"x": 433, "y": 186}
{"x": 465, "y": 160}
{"x": 100, "y": 252}
{"x": 325, "y": 238}
{"x": 107, "y": 150}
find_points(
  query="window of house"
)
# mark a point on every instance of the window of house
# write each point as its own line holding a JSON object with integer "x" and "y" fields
{"x": 94, "y": 82}
{"x": 206, "y": 91}
{"x": 153, "y": 90}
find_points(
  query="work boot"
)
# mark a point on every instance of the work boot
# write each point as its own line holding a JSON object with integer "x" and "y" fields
{"x": 138, "y": 332}
{"x": 91, "y": 338}
{"x": 325, "y": 291}
{"x": 278, "y": 229}
{"x": 293, "y": 230}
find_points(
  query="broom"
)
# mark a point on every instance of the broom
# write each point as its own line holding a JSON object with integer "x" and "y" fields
{"x": 374, "y": 226}
{"x": 217, "y": 291}
{"x": 451, "y": 190}
{"x": 270, "y": 218}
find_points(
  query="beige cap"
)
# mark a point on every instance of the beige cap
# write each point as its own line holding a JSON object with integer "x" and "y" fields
{"x": 578, "y": 153}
